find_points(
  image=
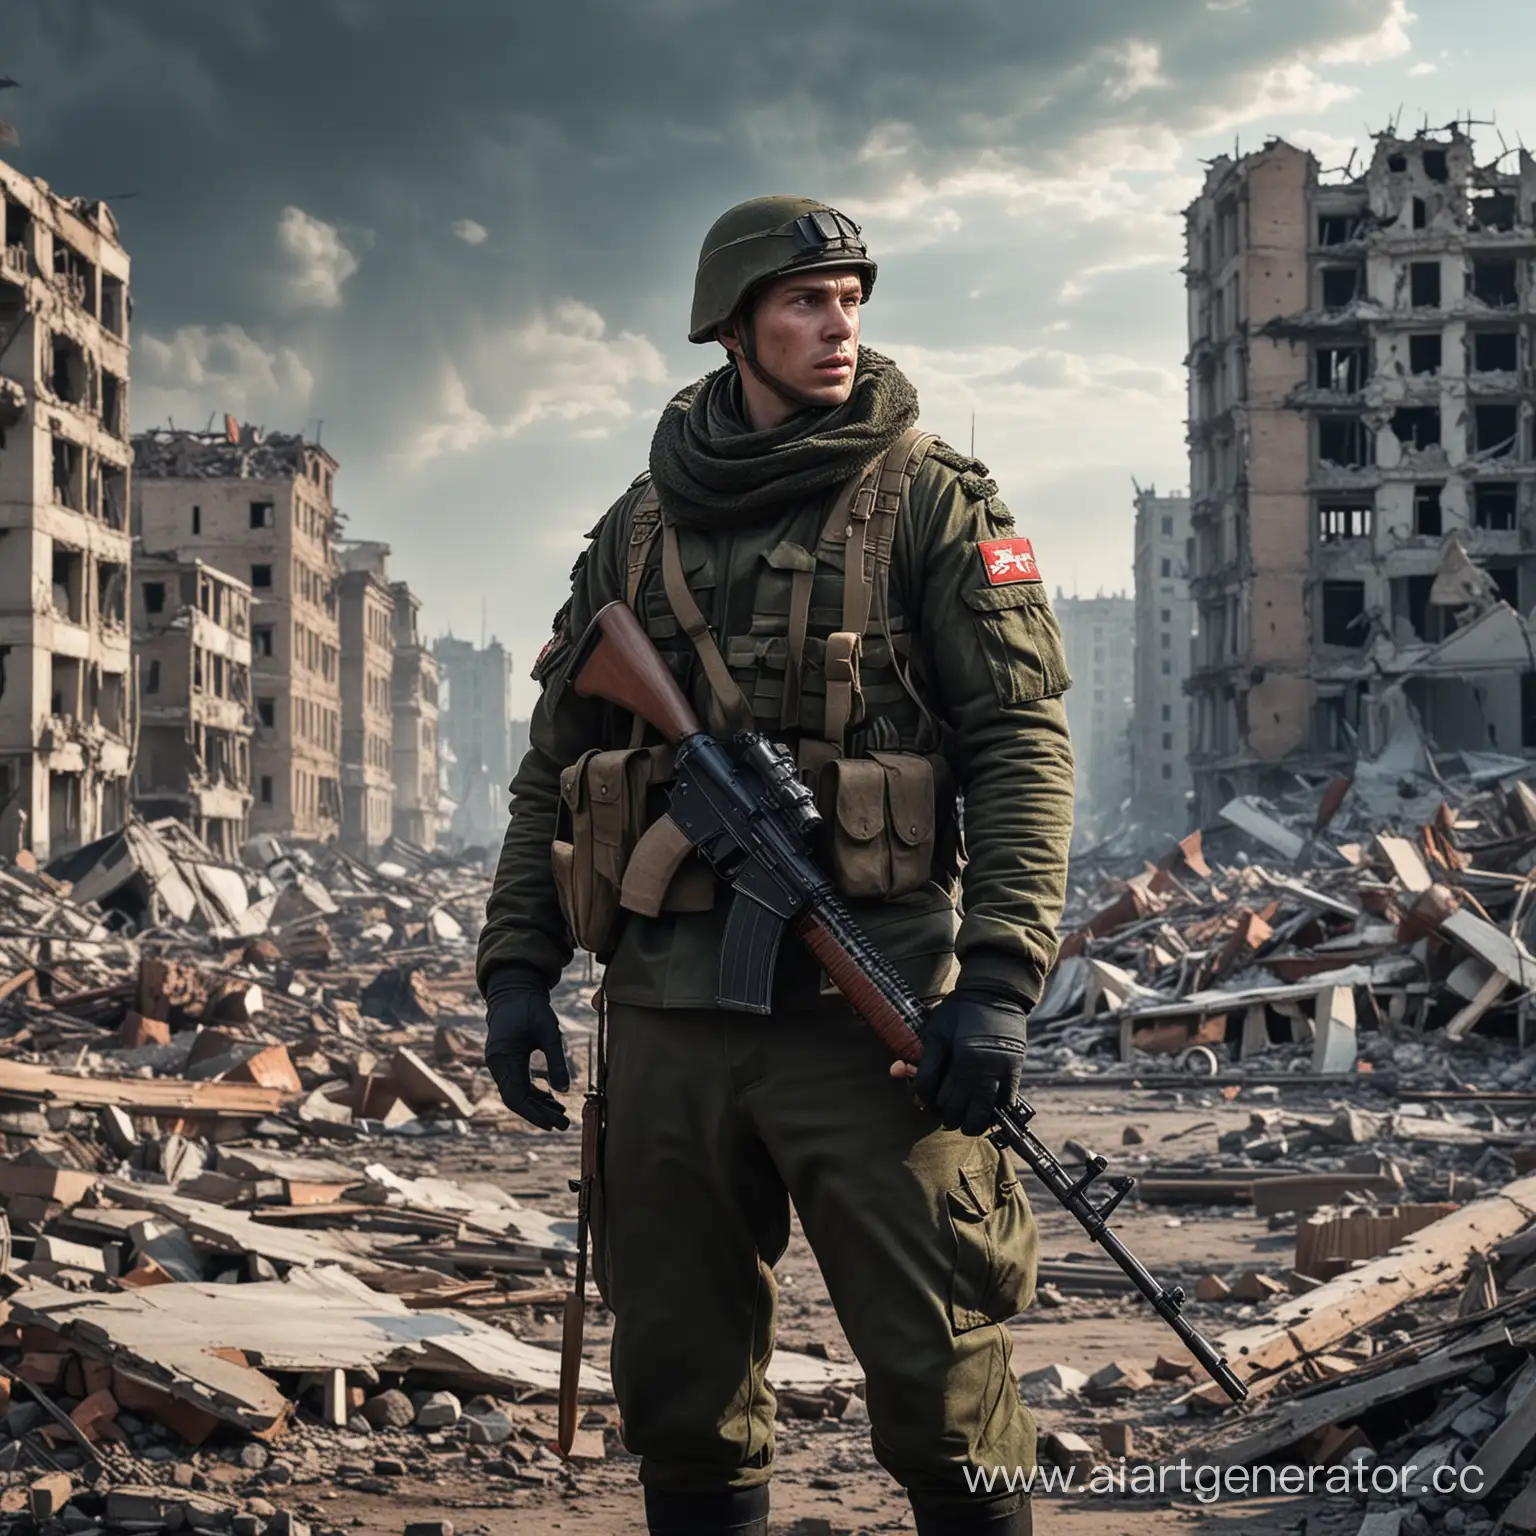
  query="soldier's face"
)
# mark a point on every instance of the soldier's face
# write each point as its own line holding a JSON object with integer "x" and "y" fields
{"x": 806, "y": 331}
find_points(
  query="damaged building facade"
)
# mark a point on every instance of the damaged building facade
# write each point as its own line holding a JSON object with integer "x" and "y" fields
{"x": 1164, "y": 621}
{"x": 415, "y": 707}
{"x": 366, "y": 609}
{"x": 259, "y": 505}
{"x": 192, "y": 650}
{"x": 1363, "y": 470}
{"x": 66, "y": 699}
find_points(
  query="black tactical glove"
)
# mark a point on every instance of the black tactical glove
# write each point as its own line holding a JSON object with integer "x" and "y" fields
{"x": 973, "y": 1049}
{"x": 518, "y": 1022}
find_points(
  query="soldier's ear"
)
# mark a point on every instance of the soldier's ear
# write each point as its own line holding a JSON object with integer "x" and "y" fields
{"x": 728, "y": 334}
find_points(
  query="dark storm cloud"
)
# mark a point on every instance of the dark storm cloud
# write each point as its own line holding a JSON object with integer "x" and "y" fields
{"x": 299, "y": 166}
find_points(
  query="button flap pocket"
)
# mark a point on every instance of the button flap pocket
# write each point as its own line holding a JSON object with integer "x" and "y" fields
{"x": 910, "y": 791}
{"x": 573, "y": 781}
{"x": 860, "y": 803}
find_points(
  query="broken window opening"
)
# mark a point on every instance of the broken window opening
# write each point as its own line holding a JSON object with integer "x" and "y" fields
{"x": 1495, "y": 430}
{"x": 1426, "y": 511}
{"x": 266, "y": 789}
{"x": 1344, "y": 441}
{"x": 1495, "y": 505}
{"x": 1425, "y": 352}
{"x": 1337, "y": 521}
{"x": 1340, "y": 370}
{"x": 152, "y": 680}
{"x": 114, "y": 305}
{"x": 113, "y": 394}
{"x": 261, "y": 640}
{"x": 261, "y": 576}
{"x": 1428, "y": 621}
{"x": 1397, "y": 164}
{"x": 266, "y": 712}
{"x": 1435, "y": 166}
{"x": 18, "y": 233}
{"x": 1506, "y": 577}
{"x": 154, "y": 597}
{"x": 69, "y": 473}
{"x": 1341, "y": 286}
{"x": 1528, "y": 709}
{"x": 63, "y": 811}
{"x": 1337, "y": 228}
{"x": 1420, "y": 213}
{"x": 1344, "y": 614}
{"x": 1424, "y": 284}
{"x": 69, "y": 583}
{"x": 1336, "y": 721}
{"x": 64, "y": 692}
{"x": 111, "y": 591}
{"x": 197, "y": 668}
{"x": 1495, "y": 351}
{"x": 1493, "y": 210}
{"x": 197, "y": 521}
{"x": 75, "y": 274}
{"x": 68, "y": 372}
{"x": 1495, "y": 282}
{"x": 1417, "y": 426}
{"x": 261, "y": 514}
{"x": 110, "y": 713}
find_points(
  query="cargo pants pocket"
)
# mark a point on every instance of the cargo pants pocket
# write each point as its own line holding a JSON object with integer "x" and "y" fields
{"x": 996, "y": 1242}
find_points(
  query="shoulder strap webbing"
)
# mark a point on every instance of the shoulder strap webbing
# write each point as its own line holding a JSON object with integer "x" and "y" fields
{"x": 644, "y": 525}
{"x": 867, "y": 523}
{"x": 728, "y": 701}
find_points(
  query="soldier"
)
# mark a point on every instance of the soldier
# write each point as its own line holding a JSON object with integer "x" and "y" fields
{"x": 809, "y": 562}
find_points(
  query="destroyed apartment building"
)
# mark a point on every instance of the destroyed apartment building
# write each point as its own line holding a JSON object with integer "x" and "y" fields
{"x": 414, "y": 704}
{"x": 258, "y": 505}
{"x": 1099, "y": 635}
{"x": 192, "y": 650}
{"x": 366, "y": 614}
{"x": 1363, "y": 471}
{"x": 65, "y": 680}
{"x": 482, "y": 744}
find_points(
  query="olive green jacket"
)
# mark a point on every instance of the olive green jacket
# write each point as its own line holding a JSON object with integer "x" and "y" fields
{"x": 987, "y": 661}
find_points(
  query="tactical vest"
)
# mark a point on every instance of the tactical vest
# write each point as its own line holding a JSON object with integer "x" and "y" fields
{"x": 826, "y": 666}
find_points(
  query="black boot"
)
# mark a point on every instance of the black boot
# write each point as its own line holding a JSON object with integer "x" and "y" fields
{"x": 1018, "y": 1522}
{"x": 723, "y": 1512}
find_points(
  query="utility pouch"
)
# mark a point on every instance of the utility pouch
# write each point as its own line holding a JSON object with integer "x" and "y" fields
{"x": 881, "y": 812}
{"x": 603, "y": 814}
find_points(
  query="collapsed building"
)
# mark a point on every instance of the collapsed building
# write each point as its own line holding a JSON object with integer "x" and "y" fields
{"x": 192, "y": 649}
{"x": 483, "y": 745}
{"x": 1363, "y": 472}
{"x": 65, "y": 690}
{"x": 258, "y": 506}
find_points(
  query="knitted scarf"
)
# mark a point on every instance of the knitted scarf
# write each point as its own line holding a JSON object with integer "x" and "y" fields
{"x": 713, "y": 470}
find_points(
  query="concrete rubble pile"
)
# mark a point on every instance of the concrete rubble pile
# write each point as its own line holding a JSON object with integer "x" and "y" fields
{"x": 217, "y": 1279}
{"x": 1361, "y": 983}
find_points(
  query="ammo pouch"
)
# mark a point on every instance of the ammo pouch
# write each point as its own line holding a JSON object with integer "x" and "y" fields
{"x": 603, "y": 813}
{"x": 881, "y": 817}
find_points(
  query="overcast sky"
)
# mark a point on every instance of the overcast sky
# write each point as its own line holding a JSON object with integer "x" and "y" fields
{"x": 461, "y": 233}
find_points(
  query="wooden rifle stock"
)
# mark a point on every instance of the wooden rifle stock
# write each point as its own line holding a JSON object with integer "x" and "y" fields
{"x": 615, "y": 660}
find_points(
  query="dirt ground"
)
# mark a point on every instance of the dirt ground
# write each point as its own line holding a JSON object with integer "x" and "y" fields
{"x": 824, "y": 1469}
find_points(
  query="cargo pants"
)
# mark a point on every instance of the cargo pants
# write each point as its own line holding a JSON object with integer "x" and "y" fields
{"x": 717, "y": 1121}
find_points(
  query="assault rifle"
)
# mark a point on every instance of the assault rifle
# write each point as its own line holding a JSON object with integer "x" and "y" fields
{"x": 743, "y": 807}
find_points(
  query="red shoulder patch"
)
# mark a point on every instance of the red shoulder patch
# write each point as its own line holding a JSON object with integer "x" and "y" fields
{"x": 1008, "y": 560}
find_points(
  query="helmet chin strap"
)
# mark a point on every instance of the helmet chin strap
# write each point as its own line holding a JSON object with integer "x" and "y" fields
{"x": 786, "y": 392}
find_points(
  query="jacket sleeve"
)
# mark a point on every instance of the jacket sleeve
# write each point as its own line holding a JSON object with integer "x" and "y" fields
{"x": 523, "y": 920}
{"x": 994, "y": 654}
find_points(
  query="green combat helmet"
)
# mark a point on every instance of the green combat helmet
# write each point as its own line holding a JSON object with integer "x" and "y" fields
{"x": 766, "y": 238}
